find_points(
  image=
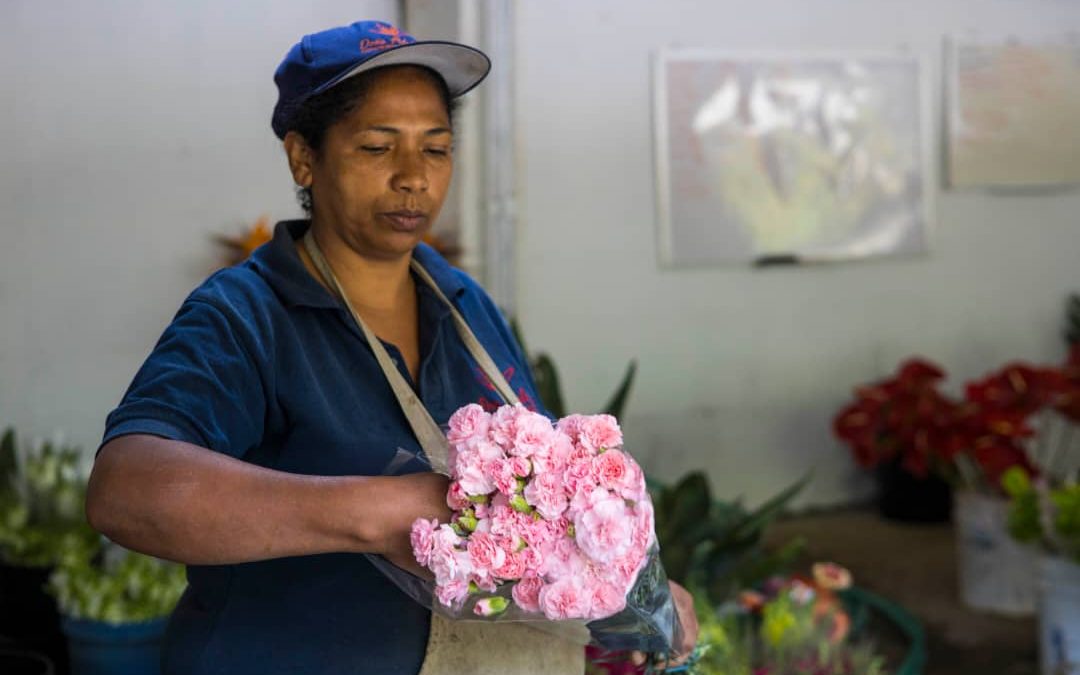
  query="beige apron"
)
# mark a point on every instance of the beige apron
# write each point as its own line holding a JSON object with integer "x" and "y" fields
{"x": 463, "y": 647}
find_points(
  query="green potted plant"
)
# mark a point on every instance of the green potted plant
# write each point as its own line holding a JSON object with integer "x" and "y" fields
{"x": 114, "y": 605}
{"x": 1045, "y": 513}
{"x": 42, "y": 492}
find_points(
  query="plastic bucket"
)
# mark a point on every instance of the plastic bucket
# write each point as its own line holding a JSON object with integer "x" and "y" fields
{"x": 996, "y": 573}
{"x": 1059, "y": 616}
{"x": 99, "y": 648}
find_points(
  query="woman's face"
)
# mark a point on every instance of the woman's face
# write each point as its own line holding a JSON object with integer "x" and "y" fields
{"x": 380, "y": 179}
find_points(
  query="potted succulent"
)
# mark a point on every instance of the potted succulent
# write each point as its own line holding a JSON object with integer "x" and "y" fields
{"x": 114, "y": 605}
{"x": 42, "y": 491}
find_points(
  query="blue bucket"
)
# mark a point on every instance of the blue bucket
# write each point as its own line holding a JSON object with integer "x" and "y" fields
{"x": 99, "y": 648}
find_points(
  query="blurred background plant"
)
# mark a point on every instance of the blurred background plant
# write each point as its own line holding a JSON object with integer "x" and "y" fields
{"x": 42, "y": 493}
{"x": 1044, "y": 513}
{"x": 788, "y": 625}
{"x": 715, "y": 546}
{"x": 110, "y": 584}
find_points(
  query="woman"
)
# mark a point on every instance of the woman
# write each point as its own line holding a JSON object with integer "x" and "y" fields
{"x": 251, "y": 445}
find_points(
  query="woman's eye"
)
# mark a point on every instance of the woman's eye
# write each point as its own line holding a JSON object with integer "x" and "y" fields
{"x": 439, "y": 152}
{"x": 374, "y": 149}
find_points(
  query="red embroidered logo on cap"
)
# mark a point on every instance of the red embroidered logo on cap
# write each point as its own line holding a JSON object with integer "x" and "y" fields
{"x": 391, "y": 37}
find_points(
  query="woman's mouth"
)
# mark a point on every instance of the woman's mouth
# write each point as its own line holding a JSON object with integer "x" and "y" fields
{"x": 406, "y": 221}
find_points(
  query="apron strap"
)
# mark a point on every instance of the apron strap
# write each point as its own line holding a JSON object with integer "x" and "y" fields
{"x": 427, "y": 431}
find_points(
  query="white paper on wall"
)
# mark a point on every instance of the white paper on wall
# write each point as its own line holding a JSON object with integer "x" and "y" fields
{"x": 1014, "y": 106}
{"x": 788, "y": 158}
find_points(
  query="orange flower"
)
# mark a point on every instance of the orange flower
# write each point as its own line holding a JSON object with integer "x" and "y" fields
{"x": 244, "y": 245}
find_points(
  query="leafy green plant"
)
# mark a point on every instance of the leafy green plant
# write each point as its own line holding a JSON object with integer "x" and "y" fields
{"x": 715, "y": 545}
{"x": 42, "y": 493}
{"x": 786, "y": 642}
{"x": 1044, "y": 515}
{"x": 549, "y": 388}
{"x": 114, "y": 585}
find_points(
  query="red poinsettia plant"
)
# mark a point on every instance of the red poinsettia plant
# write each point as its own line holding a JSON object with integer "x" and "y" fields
{"x": 1009, "y": 418}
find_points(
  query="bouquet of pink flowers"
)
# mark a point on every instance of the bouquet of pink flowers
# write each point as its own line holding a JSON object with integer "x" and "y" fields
{"x": 548, "y": 519}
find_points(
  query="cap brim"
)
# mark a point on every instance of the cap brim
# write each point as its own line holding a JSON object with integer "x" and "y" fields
{"x": 462, "y": 67}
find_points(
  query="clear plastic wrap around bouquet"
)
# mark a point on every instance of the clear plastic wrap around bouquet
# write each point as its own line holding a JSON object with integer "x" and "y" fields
{"x": 552, "y": 524}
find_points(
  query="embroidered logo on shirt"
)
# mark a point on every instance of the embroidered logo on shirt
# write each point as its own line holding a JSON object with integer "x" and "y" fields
{"x": 491, "y": 405}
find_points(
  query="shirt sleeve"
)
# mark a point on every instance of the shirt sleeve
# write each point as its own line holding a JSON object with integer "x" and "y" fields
{"x": 201, "y": 385}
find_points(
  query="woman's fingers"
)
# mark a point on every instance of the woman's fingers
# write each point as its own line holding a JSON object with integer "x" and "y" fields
{"x": 684, "y": 607}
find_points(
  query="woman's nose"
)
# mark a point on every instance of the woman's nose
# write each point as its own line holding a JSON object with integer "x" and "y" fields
{"x": 411, "y": 174}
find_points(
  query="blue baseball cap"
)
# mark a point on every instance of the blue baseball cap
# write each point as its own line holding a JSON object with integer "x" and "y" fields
{"x": 322, "y": 60}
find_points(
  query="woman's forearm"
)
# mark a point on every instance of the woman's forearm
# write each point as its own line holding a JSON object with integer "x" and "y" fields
{"x": 185, "y": 503}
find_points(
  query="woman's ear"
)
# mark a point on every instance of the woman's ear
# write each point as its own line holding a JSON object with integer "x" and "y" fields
{"x": 301, "y": 158}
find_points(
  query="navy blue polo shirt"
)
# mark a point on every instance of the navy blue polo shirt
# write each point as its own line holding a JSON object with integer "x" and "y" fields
{"x": 263, "y": 364}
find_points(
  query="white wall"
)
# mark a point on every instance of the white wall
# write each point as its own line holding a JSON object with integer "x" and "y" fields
{"x": 130, "y": 132}
{"x": 741, "y": 370}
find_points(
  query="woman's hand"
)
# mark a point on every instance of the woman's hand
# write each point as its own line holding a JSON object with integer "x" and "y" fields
{"x": 412, "y": 496}
{"x": 681, "y": 652}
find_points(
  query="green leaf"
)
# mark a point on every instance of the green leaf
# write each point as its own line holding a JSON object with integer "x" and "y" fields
{"x": 547, "y": 384}
{"x": 685, "y": 505}
{"x": 767, "y": 512}
{"x": 1072, "y": 319}
{"x": 618, "y": 400}
{"x": 515, "y": 328}
{"x": 8, "y": 461}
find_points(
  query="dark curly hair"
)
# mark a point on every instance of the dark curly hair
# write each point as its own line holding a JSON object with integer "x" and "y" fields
{"x": 319, "y": 113}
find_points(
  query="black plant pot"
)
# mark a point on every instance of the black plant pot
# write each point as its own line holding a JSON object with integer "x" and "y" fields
{"x": 907, "y": 498}
{"x": 28, "y": 615}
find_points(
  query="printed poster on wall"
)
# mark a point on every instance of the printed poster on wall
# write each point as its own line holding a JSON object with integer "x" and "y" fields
{"x": 788, "y": 159}
{"x": 1014, "y": 111}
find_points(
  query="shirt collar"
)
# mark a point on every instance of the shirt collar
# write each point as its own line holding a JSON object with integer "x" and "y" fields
{"x": 278, "y": 262}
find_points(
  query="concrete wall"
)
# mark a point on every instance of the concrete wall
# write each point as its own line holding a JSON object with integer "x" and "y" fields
{"x": 742, "y": 370}
{"x": 132, "y": 132}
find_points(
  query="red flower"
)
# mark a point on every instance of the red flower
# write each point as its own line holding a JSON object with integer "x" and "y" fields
{"x": 903, "y": 418}
{"x": 1019, "y": 388}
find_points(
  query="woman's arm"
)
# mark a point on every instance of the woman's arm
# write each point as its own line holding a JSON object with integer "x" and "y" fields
{"x": 186, "y": 503}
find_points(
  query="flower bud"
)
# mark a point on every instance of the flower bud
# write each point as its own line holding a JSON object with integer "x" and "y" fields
{"x": 518, "y": 503}
{"x": 490, "y": 606}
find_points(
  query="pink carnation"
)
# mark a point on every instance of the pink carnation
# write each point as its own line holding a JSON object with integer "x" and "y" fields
{"x": 512, "y": 568}
{"x": 571, "y": 426}
{"x": 503, "y": 428}
{"x": 604, "y": 530}
{"x": 578, "y": 474}
{"x": 422, "y": 538}
{"x": 633, "y": 485}
{"x": 452, "y": 592}
{"x": 566, "y": 598}
{"x": 456, "y": 498}
{"x": 531, "y": 560}
{"x": 610, "y": 469}
{"x": 555, "y": 457}
{"x": 526, "y": 593}
{"x": 502, "y": 474}
{"x": 563, "y": 558}
{"x": 448, "y": 566}
{"x": 470, "y": 472}
{"x": 605, "y": 599}
{"x": 600, "y": 432}
{"x": 467, "y": 424}
{"x": 534, "y": 434}
{"x": 546, "y": 494}
{"x": 485, "y": 554}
